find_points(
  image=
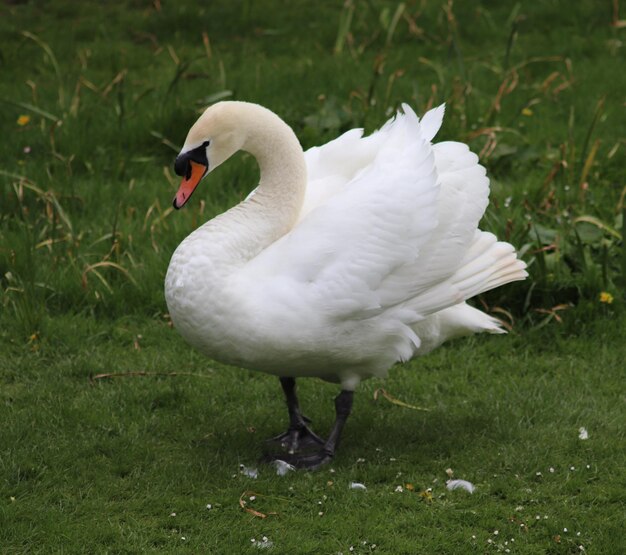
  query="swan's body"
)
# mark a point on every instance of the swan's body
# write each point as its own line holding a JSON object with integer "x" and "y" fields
{"x": 346, "y": 259}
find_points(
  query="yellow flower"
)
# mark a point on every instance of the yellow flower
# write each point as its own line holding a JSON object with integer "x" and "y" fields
{"x": 23, "y": 120}
{"x": 427, "y": 495}
{"x": 527, "y": 112}
{"x": 606, "y": 297}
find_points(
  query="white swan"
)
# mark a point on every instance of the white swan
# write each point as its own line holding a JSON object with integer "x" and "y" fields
{"x": 345, "y": 260}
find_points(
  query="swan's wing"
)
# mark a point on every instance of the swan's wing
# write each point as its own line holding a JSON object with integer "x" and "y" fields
{"x": 459, "y": 261}
{"x": 332, "y": 166}
{"x": 463, "y": 199}
{"x": 340, "y": 254}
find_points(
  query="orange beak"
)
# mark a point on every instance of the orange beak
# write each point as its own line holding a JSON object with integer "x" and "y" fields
{"x": 188, "y": 185}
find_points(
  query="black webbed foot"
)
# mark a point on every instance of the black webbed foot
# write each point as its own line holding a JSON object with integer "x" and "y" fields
{"x": 299, "y": 433}
{"x": 298, "y": 437}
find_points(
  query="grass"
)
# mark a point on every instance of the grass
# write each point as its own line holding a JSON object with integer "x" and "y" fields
{"x": 95, "y": 101}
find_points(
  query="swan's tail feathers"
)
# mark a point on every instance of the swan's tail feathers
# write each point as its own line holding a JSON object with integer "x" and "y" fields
{"x": 455, "y": 321}
{"x": 488, "y": 264}
{"x": 463, "y": 319}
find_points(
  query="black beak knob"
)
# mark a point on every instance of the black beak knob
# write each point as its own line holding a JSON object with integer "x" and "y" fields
{"x": 181, "y": 165}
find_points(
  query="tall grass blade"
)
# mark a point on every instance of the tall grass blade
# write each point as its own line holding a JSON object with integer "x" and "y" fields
{"x": 44, "y": 46}
{"x": 594, "y": 120}
{"x": 32, "y": 108}
{"x": 391, "y": 29}
{"x": 345, "y": 22}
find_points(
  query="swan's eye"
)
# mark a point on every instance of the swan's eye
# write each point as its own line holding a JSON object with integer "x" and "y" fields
{"x": 206, "y": 143}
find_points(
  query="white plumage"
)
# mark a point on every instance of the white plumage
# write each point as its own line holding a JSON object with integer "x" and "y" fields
{"x": 347, "y": 258}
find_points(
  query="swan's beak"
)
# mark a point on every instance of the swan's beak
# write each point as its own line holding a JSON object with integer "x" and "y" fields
{"x": 189, "y": 183}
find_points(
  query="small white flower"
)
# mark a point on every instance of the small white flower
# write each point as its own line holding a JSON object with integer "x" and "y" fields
{"x": 209, "y": 506}
{"x": 252, "y": 497}
{"x": 551, "y": 470}
{"x": 321, "y": 513}
{"x": 183, "y": 538}
{"x": 495, "y": 532}
{"x": 572, "y": 468}
{"x": 172, "y": 514}
{"x": 583, "y": 433}
{"x": 399, "y": 489}
{"x": 565, "y": 530}
{"x": 360, "y": 460}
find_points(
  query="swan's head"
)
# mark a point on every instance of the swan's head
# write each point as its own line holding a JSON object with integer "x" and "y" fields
{"x": 215, "y": 137}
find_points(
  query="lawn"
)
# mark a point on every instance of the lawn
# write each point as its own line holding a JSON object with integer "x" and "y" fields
{"x": 116, "y": 437}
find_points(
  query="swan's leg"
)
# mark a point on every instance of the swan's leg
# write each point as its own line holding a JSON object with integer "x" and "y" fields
{"x": 299, "y": 434}
{"x": 343, "y": 407}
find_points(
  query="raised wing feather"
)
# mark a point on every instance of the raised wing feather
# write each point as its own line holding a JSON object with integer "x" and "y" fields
{"x": 463, "y": 198}
{"x": 332, "y": 166}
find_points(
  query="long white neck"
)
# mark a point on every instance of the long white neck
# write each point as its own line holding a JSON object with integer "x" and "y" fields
{"x": 238, "y": 235}
{"x": 281, "y": 163}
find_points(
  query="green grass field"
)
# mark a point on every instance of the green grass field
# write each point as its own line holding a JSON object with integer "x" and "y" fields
{"x": 95, "y": 101}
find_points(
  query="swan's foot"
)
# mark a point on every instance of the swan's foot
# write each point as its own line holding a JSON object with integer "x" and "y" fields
{"x": 313, "y": 461}
{"x": 298, "y": 437}
{"x": 299, "y": 434}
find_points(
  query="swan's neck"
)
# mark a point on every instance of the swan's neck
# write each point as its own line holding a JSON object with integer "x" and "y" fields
{"x": 282, "y": 169}
{"x": 238, "y": 235}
